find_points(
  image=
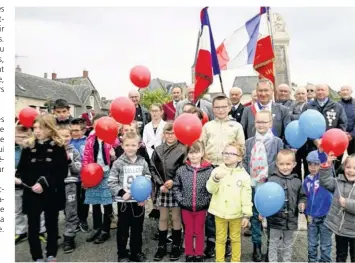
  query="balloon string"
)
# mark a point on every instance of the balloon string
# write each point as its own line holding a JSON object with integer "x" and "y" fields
{"x": 124, "y": 208}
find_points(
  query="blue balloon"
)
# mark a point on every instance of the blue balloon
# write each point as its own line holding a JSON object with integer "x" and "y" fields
{"x": 294, "y": 135}
{"x": 312, "y": 124}
{"x": 269, "y": 198}
{"x": 141, "y": 188}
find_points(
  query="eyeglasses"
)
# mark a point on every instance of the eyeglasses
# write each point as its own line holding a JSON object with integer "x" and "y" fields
{"x": 230, "y": 154}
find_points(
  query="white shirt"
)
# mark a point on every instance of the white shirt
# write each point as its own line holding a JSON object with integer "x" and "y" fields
{"x": 153, "y": 139}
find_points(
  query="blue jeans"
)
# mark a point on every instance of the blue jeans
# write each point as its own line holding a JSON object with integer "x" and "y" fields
{"x": 256, "y": 225}
{"x": 319, "y": 233}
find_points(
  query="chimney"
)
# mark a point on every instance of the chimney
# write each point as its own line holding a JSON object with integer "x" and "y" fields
{"x": 45, "y": 75}
{"x": 85, "y": 73}
{"x": 18, "y": 69}
{"x": 54, "y": 75}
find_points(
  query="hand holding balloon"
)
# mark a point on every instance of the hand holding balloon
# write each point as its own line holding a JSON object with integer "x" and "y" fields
{"x": 331, "y": 158}
{"x": 141, "y": 203}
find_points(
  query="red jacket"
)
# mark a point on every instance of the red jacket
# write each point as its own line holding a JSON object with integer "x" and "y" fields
{"x": 85, "y": 116}
{"x": 169, "y": 111}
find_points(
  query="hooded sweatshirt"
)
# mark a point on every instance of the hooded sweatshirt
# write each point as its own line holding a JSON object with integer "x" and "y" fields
{"x": 123, "y": 173}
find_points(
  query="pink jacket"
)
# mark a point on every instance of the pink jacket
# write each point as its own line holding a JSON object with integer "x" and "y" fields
{"x": 88, "y": 155}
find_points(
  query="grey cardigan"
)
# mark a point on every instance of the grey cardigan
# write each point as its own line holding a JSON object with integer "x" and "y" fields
{"x": 340, "y": 220}
{"x": 271, "y": 152}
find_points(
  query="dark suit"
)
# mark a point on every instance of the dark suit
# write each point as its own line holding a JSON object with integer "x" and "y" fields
{"x": 237, "y": 113}
{"x": 281, "y": 118}
{"x": 169, "y": 111}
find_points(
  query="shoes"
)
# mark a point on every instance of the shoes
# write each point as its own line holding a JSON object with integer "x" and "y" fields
{"x": 20, "y": 238}
{"x": 175, "y": 253}
{"x": 199, "y": 259}
{"x": 84, "y": 227}
{"x": 122, "y": 259}
{"x": 228, "y": 249}
{"x": 189, "y": 259}
{"x": 257, "y": 255}
{"x": 94, "y": 234}
{"x": 160, "y": 254}
{"x": 138, "y": 258}
{"x": 210, "y": 249}
{"x": 102, "y": 238}
{"x": 68, "y": 244}
{"x": 51, "y": 259}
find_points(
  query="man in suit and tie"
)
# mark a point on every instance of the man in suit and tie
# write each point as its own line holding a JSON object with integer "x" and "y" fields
{"x": 170, "y": 107}
{"x": 280, "y": 114}
{"x": 235, "y": 95}
{"x": 202, "y": 104}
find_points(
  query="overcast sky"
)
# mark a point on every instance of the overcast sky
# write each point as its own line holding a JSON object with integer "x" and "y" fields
{"x": 108, "y": 42}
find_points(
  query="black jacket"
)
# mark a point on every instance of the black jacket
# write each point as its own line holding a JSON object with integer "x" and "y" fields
{"x": 237, "y": 113}
{"x": 287, "y": 217}
{"x": 166, "y": 160}
{"x": 46, "y": 164}
{"x": 190, "y": 187}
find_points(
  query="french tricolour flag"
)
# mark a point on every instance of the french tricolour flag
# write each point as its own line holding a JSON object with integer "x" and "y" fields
{"x": 206, "y": 63}
{"x": 239, "y": 49}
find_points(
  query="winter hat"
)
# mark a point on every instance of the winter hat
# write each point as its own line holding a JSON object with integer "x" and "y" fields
{"x": 313, "y": 157}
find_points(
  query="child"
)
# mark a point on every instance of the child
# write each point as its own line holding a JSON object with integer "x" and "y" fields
{"x": 77, "y": 128}
{"x": 61, "y": 111}
{"x": 124, "y": 170}
{"x": 192, "y": 196}
{"x": 71, "y": 187}
{"x": 153, "y": 131}
{"x": 259, "y": 162}
{"x": 319, "y": 200}
{"x": 22, "y": 133}
{"x": 197, "y": 112}
{"x": 341, "y": 218}
{"x": 97, "y": 151}
{"x": 231, "y": 203}
{"x": 283, "y": 224}
{"x": 166, "y": 159}
{"x": 42, "y": 168}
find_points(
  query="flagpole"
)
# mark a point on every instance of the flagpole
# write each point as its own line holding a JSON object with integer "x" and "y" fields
{"x": 220, "y": 80}
{"x": 269, "y": 26}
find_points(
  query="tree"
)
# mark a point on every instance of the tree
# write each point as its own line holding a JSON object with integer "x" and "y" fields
{"x": 148, "y": 97}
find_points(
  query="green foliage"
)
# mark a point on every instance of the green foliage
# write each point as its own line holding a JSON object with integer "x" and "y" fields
{"x": 148, "y": 97}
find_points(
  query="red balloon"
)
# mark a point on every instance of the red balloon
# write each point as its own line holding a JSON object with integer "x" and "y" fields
{"x": 92, "y": 175}
{"x": 106, "y": 129}
{"x": 140, "y": 76}
{"x": 336, "y": 141}
{"x": 123, "y": 110}
{"x": 27, "y": 116}
{"x": 187, "y": 128}
{"x": 205, "y": 118}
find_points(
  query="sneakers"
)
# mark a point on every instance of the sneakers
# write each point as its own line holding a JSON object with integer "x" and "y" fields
{"x": 20, "y": 238}
{"x": 94, "y": 234}
{"x": 51, "y": 259}
{"x": 102, "y": 238}
{"x": 68, "y": 245}
{"x": 189, "y": 259}
{"x": 42, "y": 237}
{"x": 137, "y": 258}
{"x": 84, "y": 227}
{"x": 160, "y": 254}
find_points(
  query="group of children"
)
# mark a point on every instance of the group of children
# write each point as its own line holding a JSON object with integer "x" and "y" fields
{"x": 208, "y": 189}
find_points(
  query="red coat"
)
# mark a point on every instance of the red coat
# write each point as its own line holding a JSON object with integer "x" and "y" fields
{"x": 85, "y": 116}
{"x": 169, "y": 111}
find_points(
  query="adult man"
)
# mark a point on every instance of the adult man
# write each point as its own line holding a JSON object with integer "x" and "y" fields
{"x": 204, "y": 105}
{"x": 88, "y": 116}
{"x": 333, "y": 112}
{"x": 349, "y": 106}
{"x": 311, "y": 92}
{"x": 297, "y": 106}
{"x": 170, "y": 107}
{"x": 142, "y": 114}
{"x": 235, "y": 95}
{"x": 284, "y": 95}
{"x": 254, "y": 98}
{"x": 280, "y": 113}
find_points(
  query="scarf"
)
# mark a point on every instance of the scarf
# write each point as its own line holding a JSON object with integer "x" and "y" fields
{"x": 259, "y": 167}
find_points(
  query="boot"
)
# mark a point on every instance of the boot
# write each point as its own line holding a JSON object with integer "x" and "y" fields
{"x": 68, "y": 244}
{"x": 228, "y": 248}
{"x": 257, "y": 256}
{"x": 175, "y": 251}
{"x": 161, "y": 251}
{"x": 210, "y": 249}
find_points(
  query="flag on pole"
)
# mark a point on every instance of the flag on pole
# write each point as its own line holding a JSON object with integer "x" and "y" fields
{"x": 206, "y": 63}
{"x": 264, "y": 53}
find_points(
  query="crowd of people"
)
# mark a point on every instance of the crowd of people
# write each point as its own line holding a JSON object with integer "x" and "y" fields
{"x": 203, "y": 194}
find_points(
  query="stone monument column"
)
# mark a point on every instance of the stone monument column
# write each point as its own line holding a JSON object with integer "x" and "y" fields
{"x": 281, "y": 40}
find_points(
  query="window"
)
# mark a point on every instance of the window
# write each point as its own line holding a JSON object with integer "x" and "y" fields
{"x": 92, "y": 102}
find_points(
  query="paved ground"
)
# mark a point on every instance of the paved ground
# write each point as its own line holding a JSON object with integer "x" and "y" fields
{"x": 89, "y": 252}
